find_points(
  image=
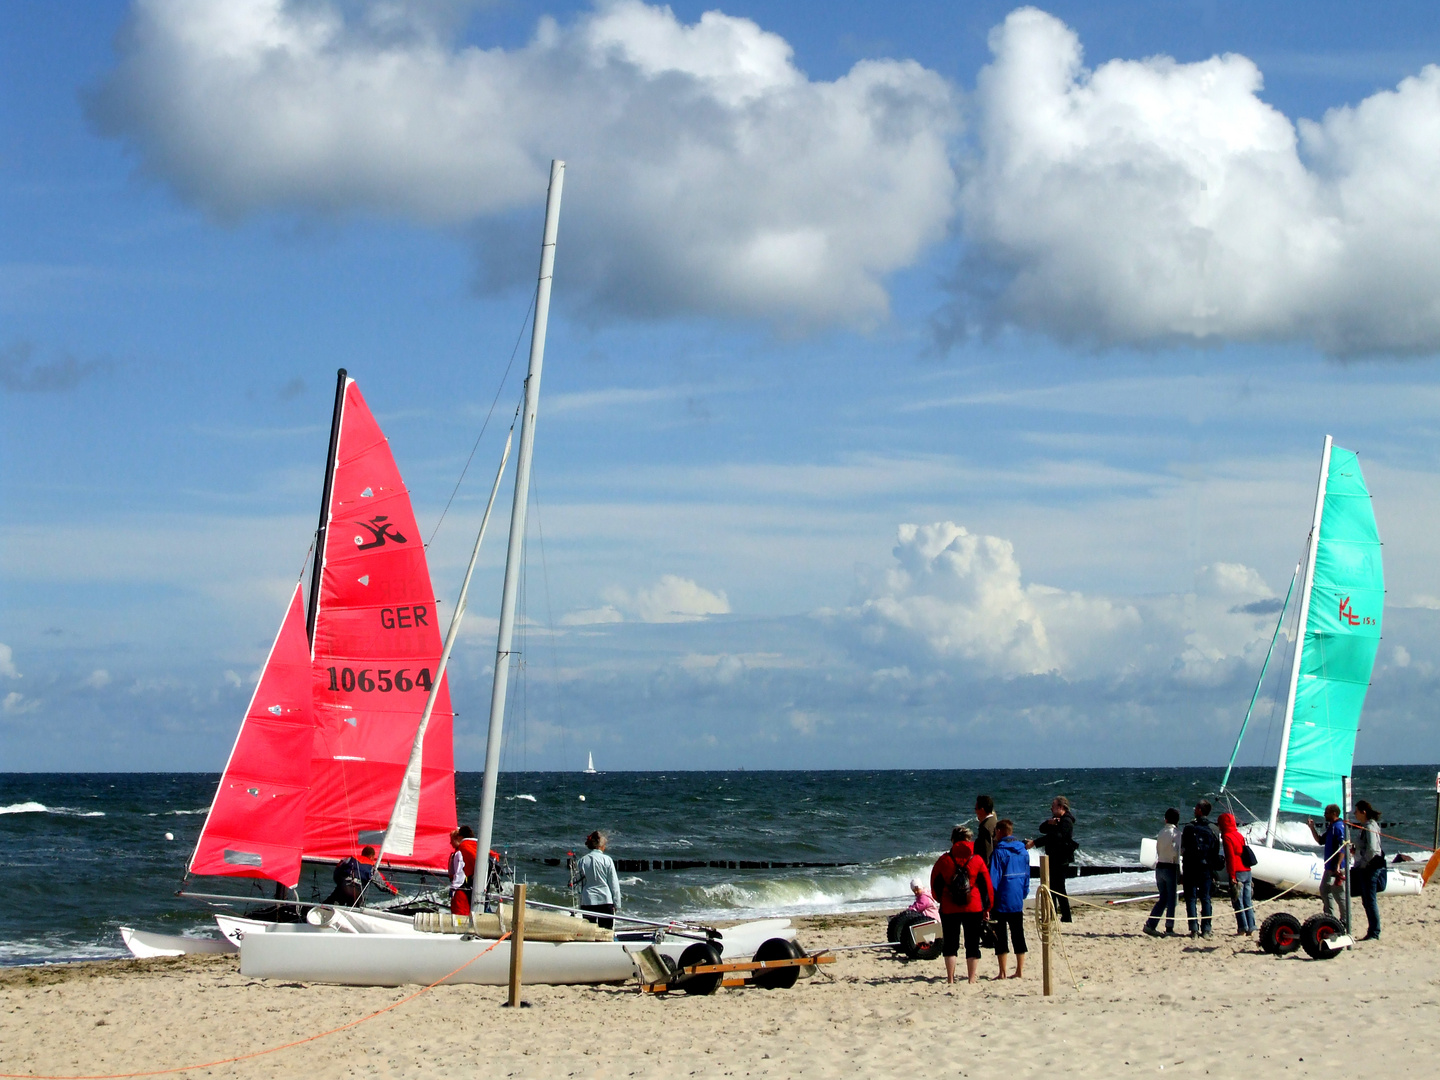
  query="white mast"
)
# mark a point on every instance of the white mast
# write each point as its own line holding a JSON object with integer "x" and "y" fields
{"x": 1312, "y": 549}
{"x": 517, "y": 532}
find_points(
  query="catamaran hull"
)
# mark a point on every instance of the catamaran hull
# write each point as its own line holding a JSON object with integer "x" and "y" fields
{"x": 299, "y": 953}
{"x": 1299, "y": 872}
{"x": 145, "y": 945}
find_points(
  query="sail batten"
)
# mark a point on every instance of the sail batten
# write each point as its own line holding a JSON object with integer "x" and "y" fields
{"x": 1343, "y": 608}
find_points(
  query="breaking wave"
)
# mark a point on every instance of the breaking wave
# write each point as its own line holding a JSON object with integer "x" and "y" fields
{"x": 41, "y": 808}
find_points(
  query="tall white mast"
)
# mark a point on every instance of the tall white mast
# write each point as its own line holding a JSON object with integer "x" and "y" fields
{"x": 517, "y": 532}
{"x": 1311, "y": 550}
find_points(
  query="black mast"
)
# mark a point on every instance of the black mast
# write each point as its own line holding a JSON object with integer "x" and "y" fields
{"x": 325, "y": 508}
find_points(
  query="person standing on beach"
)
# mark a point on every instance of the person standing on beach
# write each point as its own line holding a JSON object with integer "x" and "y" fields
{"x": 1332, "y": 877}
{"x": 1167, "y": 875}
{"x": 1057, "y": 838}
{"x": 464, "y": 849}
{"x": 1242, "y": 888}
{"x": 1369, "y": 866}
{"x": 961, "y": 882}
{"x": 985, "y": 823}
{"x": 599, "y": 883}
{"x": 1010, "y": 874}
{"x": 1201, "y": 854}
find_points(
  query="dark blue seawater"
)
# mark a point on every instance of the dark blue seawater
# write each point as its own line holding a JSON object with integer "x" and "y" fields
{"x": 83, "y": 854}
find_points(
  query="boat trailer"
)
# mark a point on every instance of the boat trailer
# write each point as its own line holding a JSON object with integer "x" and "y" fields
{"x": 777, "y": 965}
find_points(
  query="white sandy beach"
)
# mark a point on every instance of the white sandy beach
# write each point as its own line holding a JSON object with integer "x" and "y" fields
{"x": 1216, "y": 1008}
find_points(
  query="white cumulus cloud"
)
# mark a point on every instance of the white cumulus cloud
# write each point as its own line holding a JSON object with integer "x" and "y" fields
{"x": 7, "y": 662}
{"x": 671, "y": 599}
{"x": 707, "y": 172}
{"x": 955, "y": 596}
{"x": 1151, "y": 201}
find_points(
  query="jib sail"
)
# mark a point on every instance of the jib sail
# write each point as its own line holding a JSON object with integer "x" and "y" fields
{"x": 256, "y": 825}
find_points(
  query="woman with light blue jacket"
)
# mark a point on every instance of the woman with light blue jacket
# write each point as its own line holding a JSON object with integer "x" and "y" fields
{"x": 599, "y": 883}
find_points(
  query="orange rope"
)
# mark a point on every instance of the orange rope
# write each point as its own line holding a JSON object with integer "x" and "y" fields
{"x": 270, "y": 1050}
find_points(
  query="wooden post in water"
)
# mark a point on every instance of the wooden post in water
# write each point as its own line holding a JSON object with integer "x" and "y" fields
{"x": 517, "y": 943}
{"x": 1046, "y": 919}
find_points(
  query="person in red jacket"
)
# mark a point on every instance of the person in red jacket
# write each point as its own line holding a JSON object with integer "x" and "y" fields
{"x": 1242, "y": 887}
{"x": 960, "y": 881}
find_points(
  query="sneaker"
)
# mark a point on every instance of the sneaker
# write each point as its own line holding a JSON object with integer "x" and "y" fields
{"x": 1150, "y": 931}
{"x": 1207, "y": 933}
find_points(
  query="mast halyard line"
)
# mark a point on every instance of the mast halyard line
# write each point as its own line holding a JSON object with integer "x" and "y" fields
{"x": 342, "y": 381}
{"x": 1307, "y": 585}
{"x": 409, "y": 793}
{"x": 1260, "y": 681}
{"x": 517, "y": 531}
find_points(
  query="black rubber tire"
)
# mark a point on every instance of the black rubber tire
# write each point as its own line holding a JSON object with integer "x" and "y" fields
{"x": 896, "y": 926}
{"x": 702, "y": 952}
{"x": 1280, "y": 934}
{"x": 1316, "y": 931}
{"x": 920, "y": 950}
{"x": 777, "y": 948}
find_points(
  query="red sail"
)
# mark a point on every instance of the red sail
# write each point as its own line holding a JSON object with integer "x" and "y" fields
{"x": 256, "y": 826}
{"x": 376, "y": 649}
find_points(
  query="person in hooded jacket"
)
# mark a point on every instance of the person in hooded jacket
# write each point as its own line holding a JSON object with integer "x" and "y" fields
{"x": 957, "y": 913}
{"x": 1200, "y": 841}
{"x": 1242, "y": 886}
{"x": 1010, "y": 874}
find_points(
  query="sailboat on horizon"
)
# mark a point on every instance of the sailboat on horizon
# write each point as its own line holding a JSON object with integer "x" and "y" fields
{"x": 589, "y": 769}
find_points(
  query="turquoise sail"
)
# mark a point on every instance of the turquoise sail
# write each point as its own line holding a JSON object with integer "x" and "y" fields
{"x": 1342, "y": 634}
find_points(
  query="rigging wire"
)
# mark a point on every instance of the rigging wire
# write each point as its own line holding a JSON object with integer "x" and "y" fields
{"x": 493, "y": 401}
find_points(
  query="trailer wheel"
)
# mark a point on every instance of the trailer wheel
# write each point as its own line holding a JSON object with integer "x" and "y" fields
{"x": 702, "y": 952}
{"x": 1280, "y": 934}
{"x": 920, "y": 950}
{"x": 1315, "y": 936}
{"x": 780, "y": 978}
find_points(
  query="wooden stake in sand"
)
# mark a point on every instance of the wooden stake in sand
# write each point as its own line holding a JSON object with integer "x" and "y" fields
{"x": 1047, "y": 914}
{"x": 517, "y": 944}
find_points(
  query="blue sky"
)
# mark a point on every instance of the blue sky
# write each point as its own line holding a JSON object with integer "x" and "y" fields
{"x": 1074, "y": 295}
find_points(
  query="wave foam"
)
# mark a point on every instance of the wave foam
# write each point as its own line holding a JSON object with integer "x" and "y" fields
{"x": 41, "y": 808}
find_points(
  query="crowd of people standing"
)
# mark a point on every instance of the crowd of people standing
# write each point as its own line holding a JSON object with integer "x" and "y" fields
{"x": 978, "y": 887}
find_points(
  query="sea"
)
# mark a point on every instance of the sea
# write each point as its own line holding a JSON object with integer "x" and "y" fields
{"x": 83, "y": 854}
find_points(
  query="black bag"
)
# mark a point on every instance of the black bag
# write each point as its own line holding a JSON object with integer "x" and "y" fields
{"x": 1248, "y": 856}
{"x": 1202, "y": 849}
{"x": 959, "y": 883}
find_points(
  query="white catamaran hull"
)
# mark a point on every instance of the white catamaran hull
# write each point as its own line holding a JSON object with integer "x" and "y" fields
{"x": 145, "y": 945}
{"x": 348, "y": 959}
{"x": 1299, "y": 872}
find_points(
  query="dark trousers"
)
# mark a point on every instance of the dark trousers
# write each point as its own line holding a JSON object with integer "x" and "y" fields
{"x": 1198, "y": 890}
{"x": 1009, "y": 924}
{"x": 1057, "y": 887}
{"x": 1166, "y": 875}
{"x": 600, "y": 909}
{"x": 950, "y": 924}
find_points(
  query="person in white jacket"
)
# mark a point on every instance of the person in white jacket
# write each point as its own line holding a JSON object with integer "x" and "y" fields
{"x": 1167, "y": 875}
{"x": 599, "y": 883}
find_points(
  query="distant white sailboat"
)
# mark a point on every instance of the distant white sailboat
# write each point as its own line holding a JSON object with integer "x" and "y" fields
{"x": 589, "y": 769}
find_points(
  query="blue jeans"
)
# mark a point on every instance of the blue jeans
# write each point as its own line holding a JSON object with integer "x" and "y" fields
{"x": 1369, "y": 882}
{"x": 1243, "y": 901}
{"x": 1198, "y": 890}
{"x": 1166, "y": 875}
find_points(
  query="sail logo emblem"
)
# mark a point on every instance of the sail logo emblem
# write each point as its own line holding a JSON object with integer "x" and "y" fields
{"x": 381, "y": 532}
{"x": 1348, "y": 616}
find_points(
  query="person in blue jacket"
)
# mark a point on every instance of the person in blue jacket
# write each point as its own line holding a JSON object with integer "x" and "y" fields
{"x": 1010, "y": 873}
